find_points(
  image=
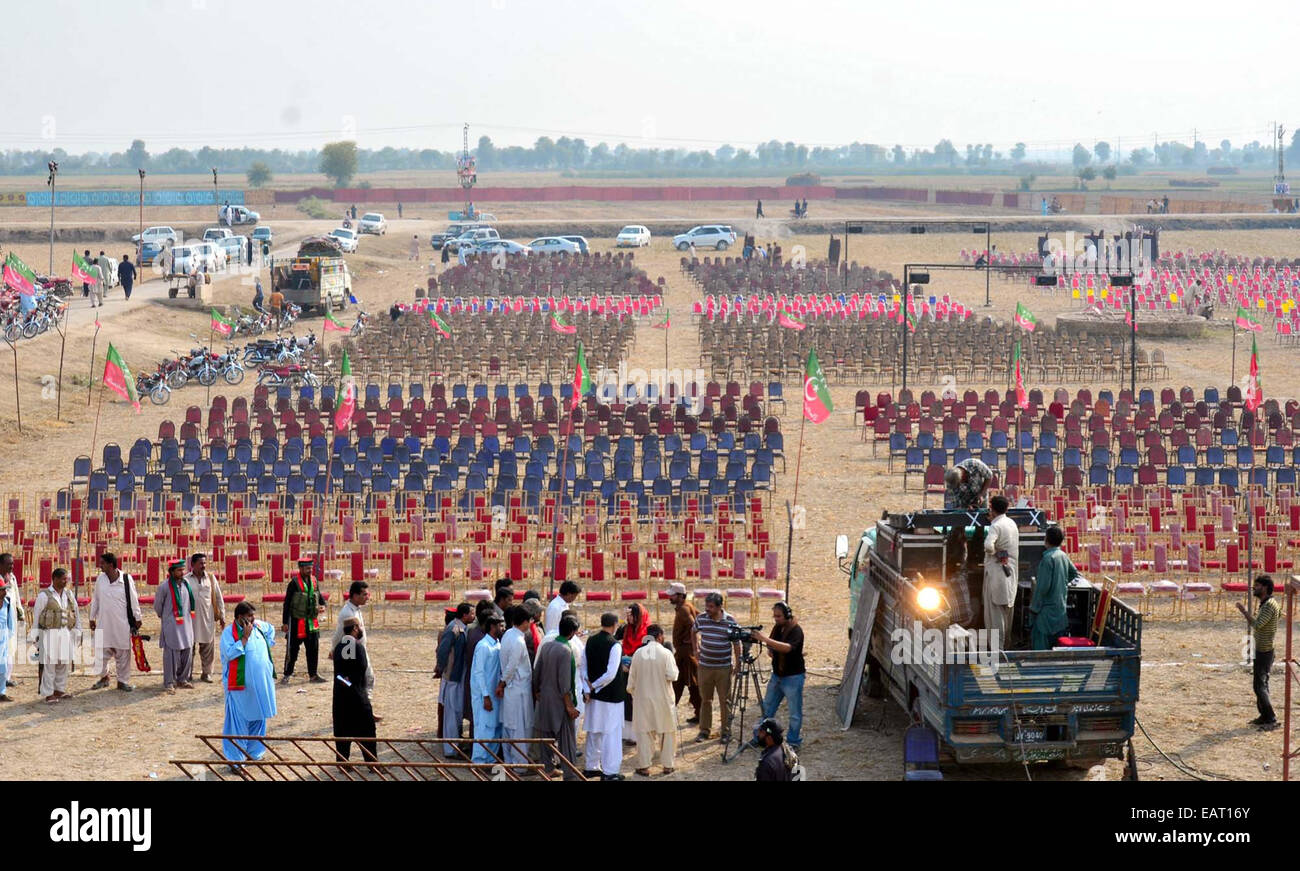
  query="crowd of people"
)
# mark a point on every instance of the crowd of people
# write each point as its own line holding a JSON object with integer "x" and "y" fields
{"x": 512, "y": 672}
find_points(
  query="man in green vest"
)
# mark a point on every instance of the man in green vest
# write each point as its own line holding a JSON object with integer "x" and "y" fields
{"x": 303, "y": 607}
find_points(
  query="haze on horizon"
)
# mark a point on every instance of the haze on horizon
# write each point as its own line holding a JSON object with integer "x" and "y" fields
{"x": 674, "y": 74}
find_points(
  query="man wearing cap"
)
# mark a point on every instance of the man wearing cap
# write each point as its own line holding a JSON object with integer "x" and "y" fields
{"x": 174, "y": 604}
{"x": 55, "y": 632}
{"x": 301, "y": 621}
{"x": 684, "y": 653}
{"x": 485, "y": 689}
{"x": 209, "y": 616}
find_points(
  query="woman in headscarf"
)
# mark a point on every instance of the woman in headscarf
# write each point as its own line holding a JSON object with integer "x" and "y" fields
{"x": 632, "y": 635}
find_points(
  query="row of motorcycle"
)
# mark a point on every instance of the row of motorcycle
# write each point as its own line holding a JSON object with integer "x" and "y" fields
{"x": 278, "y": 361}
{"x": 16, "y": 324}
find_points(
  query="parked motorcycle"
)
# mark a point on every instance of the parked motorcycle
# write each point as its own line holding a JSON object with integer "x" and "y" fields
{"x": 291, "y": 373}
{"x": 153, "y": 385}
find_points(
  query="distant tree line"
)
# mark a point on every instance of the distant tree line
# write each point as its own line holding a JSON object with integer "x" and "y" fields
{"x": 575, "y": 155}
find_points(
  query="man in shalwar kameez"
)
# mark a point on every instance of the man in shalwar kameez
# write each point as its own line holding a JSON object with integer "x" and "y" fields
{"x": 174, "y": 604}
{"x": 516, "y": 683}
{"x": 8, "y": 633}
{"x": 56, "y": 634}
{"x": 607, "y": 688}
{"x": 484, "y": 692}
{"x": 249, "y": 681}
{"x": 556, "y": 687}
{"x": 650, "y": 683}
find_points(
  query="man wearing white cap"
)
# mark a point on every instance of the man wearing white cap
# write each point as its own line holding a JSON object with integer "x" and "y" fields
{"x": 684, "y": 653}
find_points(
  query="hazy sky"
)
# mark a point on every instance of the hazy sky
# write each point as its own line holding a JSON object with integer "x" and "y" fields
{"x": 667, "y": 73}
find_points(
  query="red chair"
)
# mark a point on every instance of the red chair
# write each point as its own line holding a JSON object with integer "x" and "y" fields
{"x": 1097, "y": 630}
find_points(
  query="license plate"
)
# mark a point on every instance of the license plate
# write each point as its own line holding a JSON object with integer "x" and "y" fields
{"x": 1030, "y": 734}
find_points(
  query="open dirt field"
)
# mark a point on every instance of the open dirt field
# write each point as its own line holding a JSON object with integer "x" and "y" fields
{"x": 1195, "y": 700}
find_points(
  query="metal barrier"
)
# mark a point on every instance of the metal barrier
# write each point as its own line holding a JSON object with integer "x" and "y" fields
{"x": 314, "y": 757}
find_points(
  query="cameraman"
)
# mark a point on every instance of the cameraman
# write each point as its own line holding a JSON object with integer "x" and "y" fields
{"x": 785, "y": 645}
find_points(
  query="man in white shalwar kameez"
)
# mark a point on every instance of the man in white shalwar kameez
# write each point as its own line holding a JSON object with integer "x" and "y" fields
{"x": 56, "y": 633}
{"x": 114, "y": 591}
{"x": 8, "y": 634}
{"x": 209, "y": 616}
{"x": 484, "y": 692}
{"x": 516, "y": 683}
{"x": 650, "y": 683}
{"x": 606, "y": 693}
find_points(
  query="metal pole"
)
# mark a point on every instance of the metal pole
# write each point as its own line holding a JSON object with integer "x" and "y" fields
{"x": 1232, "y": 379}
{"x": 902, "y": 321}
{"x": 79, "y": 570}
{"x": 1133, "y": 341}
{"x": 93, "y": 340}
{"x": 52, "y": 175}
{"x": 803, "y": 420}
{"x": 1250, "y": 535}
{"x": 988, "y": 265}
{"x": 1286, "y": 710}
{"x": 789, "y": 546}
{"x": 63, "y": 344}
{"x": 139, "y": 248}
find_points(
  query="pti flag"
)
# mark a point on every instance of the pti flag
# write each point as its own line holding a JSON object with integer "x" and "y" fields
{"x": 1246, "y": 322}
{"x": 347, "y": 396}
{"x": 117, "y": 377}
{"x": 911, "y": 319}
{"x": 82, "y": 270}
{"x": 664, "y": 324}
{"x": 19, "y": 275}
{"x": 333, "y": 324}
{"x": 439, "y": 324}
{"x": 816, "y": 394}
{"x": 221, "y": 325}
{"x": 560, "y": 325}
{"x": 1022, "y": 398}
{"x": 1025, "y": 318}
{"x": 788, "y": 322}
{"x": 1254, "y": 389}
{"x": 581, "y": 378}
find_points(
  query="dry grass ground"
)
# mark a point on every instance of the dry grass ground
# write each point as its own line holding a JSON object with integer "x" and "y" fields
{"x": 1195, "y": 701}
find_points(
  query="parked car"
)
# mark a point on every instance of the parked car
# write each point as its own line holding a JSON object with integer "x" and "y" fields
{"x": 716, "y": 236}
{"x": 580, "y": 241}
{"x": 454, "y": 229}
{"x": 209, "y": 256}
{"x": 214, "y": 234}
{"x": 347, "y": 239}
{"x": 471, "y": 238}
{"x": 235, "y": 248}
{"x": 492, "y": 246}
{"x": 554, "y": 245}
{"x": 372, "y": 222}
{"x": 149, "y": 252}
{"x": 238, "y": 215}
{"x": 186, "y": 258}
{"x": 158, "y": 234}
{"x": 263, "y": 234}
{"x": 632, "y": 236}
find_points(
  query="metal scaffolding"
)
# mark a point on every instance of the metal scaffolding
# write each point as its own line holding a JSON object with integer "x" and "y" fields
{"x": 314, "y": 757}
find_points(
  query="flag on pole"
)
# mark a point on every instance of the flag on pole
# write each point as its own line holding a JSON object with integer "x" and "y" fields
{"x": 82, "y": 271}
{"x": 1022, "y": 398}
{"x": 788, "y": 322}
{"x": 347, "y": 396}
{"x": 1128, "y": 320}
{"x": 581, "y": 378}
{"x": 665, "y": 323}
{"x": 19, "y": 275}
{"x": 117, "y": 377}
{"x": 1254, "y": 388}
{"x": 910, "y": 318}
{"x": 333, "y": 324}
{"x": 220, "y": 325}
{"x": 560, "y": 325}
{"x": 816, "y": 393}
{"x": 439, "y": 324}
{"x": 1246, "y": 322}
{"x": 1025, "y": 318}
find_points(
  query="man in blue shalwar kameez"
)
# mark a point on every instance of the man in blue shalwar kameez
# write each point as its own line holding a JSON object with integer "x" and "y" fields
{"x": 249, "y": 678}
{"x": 485, "y": 674}
{"x": 8, "y": 634}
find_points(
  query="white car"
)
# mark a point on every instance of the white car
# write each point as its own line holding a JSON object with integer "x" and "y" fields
{"x": 157, "y": 234}
{"x": 632, "y": 236}
{"x": 235, "y": 248}
{"x": 492, "y": 246}
{"x": 210, "y": 256}
{"x": 717, "y": 236}
{"x": 554, "y": 245}
{"x": 347, "y": 239}
{"x": 372, "y": 222}
{"x": 216, "y": 234}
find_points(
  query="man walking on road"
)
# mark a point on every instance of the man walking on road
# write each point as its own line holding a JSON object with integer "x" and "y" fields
{"x": 126, "y": 275}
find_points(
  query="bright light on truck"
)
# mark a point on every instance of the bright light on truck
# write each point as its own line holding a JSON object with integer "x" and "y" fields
{"x": 928, "y": 599}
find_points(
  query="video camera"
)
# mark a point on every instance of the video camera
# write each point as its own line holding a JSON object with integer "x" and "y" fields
{"x": 743, "y": 634}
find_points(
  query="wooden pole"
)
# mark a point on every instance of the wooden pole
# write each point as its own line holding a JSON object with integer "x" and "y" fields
{"x": 1287, "y": 672}
{"x": 93, "y": 340}
{"x": 18, "y": 405}
{"x": 63, "y": 344}
{"x": 803, "y": 421}
{"x": 559, "y": 501}
{"x": 79, "y": 569}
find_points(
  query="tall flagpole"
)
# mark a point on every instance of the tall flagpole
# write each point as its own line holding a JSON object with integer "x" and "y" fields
{"x": 18, "y": 405}
{"x": 93, "y": 341}
{"x": 85, "y": 509}
{"x": 317, "y": 565}
{"x": 559, "y": 503}
{"x": 803, "y": 421}
{"x": 1233, "y": 378}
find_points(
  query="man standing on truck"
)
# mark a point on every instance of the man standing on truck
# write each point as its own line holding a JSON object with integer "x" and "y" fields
{"x": 1047, "y": 617}
{"x": 966, "y": 483}
{"x": 1001, "y": 564}
{"x": 1264, "y": 625}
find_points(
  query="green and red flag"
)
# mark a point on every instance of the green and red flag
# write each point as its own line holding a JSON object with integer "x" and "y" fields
{"x": 906, "y": 315}
{"x": 790, "y": 323}
{"x": 347, "y": 396}
{"x": 816, "y": 393}
{"x": 443, "y": 328}
{"x": 560, "y": 325}
{"x": 1246, "y": 322}
{"x": 334, "y": 325}
{"x": 220, "y": 325}
{"x": 19, "y": 275}
{"x": 82, "y": 270}
{"x": 1254, "y": 388}
{"x": 664, "y": 324}
{"x": 581, "y": 378}
{"x": 117, "y": 377}
{"x": 1128, "y": 320}
{"x": 1022, "y": 398}
{"x": 1025, "y": 318}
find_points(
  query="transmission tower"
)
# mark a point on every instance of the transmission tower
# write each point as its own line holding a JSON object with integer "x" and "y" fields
{"x": 466, "y": 172}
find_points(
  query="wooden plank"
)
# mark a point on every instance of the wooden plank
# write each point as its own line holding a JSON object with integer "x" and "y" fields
{"x": 846, "y": 705}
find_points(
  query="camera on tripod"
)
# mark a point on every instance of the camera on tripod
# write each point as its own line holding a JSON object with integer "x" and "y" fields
{"x": 743, "y": 634}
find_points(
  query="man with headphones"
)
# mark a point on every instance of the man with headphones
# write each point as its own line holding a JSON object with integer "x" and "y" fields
{"x": 778, "y": 762}
{"x": 785, "y": 645}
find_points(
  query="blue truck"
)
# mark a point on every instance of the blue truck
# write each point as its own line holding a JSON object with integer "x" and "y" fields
{"x": 988, "y": 700}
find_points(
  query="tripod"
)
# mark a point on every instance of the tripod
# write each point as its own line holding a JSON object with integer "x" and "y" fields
{"x": 750, "y": 672}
